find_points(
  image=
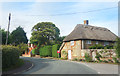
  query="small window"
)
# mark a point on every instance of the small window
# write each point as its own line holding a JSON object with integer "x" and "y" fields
{"x": 72, "y": 43}
{"x": 88, "y": 42}
{"x": 106, "y": 43}
{"x": 96, "y": 42}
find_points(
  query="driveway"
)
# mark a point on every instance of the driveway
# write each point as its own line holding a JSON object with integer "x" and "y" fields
{"x": 49, "y": 66}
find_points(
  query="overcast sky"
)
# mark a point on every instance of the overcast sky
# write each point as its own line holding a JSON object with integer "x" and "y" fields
{"x": 27, "y": 14}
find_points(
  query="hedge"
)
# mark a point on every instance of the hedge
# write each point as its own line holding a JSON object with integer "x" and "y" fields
{"x": 45, "y": 51}
{"x": 10, "y": 55}
{"x": 54, "y": 50}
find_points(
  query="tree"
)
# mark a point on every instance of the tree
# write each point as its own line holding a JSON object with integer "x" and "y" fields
{"x": 3, "y": 33}
{"x": 18, "y": 36}
{"x": 22, "y": 48}
{"x": 44, "y": 33}
{"x": 117, "y": 47}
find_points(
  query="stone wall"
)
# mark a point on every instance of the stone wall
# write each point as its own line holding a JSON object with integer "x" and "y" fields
{"x": 105, "y": 53}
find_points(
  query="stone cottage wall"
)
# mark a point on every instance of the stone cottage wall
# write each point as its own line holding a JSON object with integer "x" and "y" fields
{"x": 106, "y": 54}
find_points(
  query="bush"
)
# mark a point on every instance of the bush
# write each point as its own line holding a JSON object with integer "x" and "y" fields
{"x": 54, "y": 50}
{"x": 45, "y": 51}
{"x": 98, "y": 56}
{"x": 105, "y": 61}
{"x": 87, "y": 57}
{"x": 109, "y": 60}
{"x": 115, "y": 60}
{"x": 22, "y": 48}
{"x": 75, "y": 59}
{"x": 98, "y": 46}
{"x": 10, "y": 55}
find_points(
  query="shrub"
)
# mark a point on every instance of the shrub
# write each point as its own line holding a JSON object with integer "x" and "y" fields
{"x": 115, "y": 60}
{"x": 65, "y": 54}
{"x": 87, "y": 57}
{"x": 75, "y": 59}
{"x": 109, "y": 60}
{"x": 45, "y": 51}
{"x": 22, "y": 48}
{"x": 10, "y": 55}
{"x": 98, "y": 46}
{"x": 105, "y": 61}
{"x": 54, "y": 50}
{"x": 98, "y": 56}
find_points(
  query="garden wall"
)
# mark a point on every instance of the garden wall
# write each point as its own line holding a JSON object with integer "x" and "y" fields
{"x": 105, "y": 53}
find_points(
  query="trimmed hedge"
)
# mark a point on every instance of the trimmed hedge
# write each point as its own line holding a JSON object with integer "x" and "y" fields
{"x": 10, "y": 55}
{"x": 45, "y": 51}
{"x": 54, "y": 50}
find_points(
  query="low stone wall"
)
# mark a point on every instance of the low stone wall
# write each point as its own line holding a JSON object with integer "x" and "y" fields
{"x": 105, "y": 53}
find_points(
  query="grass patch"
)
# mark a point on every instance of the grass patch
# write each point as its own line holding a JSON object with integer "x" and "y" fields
{"x": 19, "y": 63}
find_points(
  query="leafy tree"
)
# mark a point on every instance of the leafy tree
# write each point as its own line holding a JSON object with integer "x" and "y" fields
{"x": 3, "y": 33}
{"x": 18, "y": 36}
{"x": 22, "y": 48}
{"x": 44, "y": 33}
{"x": 60, "y": 39}
{"x": 117, "y": 47}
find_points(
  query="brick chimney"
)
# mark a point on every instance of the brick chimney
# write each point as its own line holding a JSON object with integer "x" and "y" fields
{"x": 86, "y": 22}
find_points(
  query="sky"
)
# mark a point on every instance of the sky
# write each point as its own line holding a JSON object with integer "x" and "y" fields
{"x": 65, "y": 15}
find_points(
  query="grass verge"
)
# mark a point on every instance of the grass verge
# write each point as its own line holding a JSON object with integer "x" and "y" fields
{"x": 17, "y": 65}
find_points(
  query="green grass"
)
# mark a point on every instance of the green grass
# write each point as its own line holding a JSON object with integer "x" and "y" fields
{"x": 17, "y": 65}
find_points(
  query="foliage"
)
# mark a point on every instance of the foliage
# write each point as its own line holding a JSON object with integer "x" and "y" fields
{"x": 18, "y": 36}
{"x": 33, "y": 51}
{"x": 54, "y": 50}
{"x": 117, "y": 47}
{"x": 96, "y": 46}
{"x": 60, "y": 39}
{"x": 105, "y": 61}
{"x": 109, "y": 60}
{"x": 87, "y": 57}
{"x": 19, "y": 63}
{"x": 75, "y": 59}
{"x": 98, "y": 56}
{"x": 10, "y": 56}
{"x": 22, "y": 48}
{"x": 45, "y": 51}
{"x": 44, "y": 33}
{"x": 99, "y": 46}
{"x": 65, "y": 54}
{"x": 115, "y": 60}
{"x": 4, "y": 33}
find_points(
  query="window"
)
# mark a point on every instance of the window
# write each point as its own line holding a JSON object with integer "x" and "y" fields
{"x": 106, "y": 43}
{"x": 88, "y": 42}
{"x": 72, "y": 43}
{"x": 96, "y": 42}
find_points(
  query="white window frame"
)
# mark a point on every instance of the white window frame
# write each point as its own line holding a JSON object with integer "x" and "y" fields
{"x": 88, "y": 42}
{"x": 72, "y": 43}
{"x": 97, "y": 42}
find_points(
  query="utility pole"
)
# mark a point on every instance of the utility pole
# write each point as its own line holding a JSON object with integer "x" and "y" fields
{"x": 8, "y": 28}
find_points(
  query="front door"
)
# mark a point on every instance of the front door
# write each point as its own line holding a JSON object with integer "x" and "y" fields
{"x": 69, "y": 54}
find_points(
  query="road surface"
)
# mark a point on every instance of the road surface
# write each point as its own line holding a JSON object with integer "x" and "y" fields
{"x": 49, "y": 66}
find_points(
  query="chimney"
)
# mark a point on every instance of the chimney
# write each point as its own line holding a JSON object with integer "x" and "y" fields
{"x": 86, "y": 22}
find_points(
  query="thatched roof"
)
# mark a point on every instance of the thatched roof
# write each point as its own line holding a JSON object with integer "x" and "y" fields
{"x": 90, "y": 32}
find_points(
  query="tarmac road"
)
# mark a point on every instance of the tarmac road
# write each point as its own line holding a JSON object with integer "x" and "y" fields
{"x": 49, "y": 66}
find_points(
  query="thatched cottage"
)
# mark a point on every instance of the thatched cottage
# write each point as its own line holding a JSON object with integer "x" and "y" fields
{"x": 83, "y": 36}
